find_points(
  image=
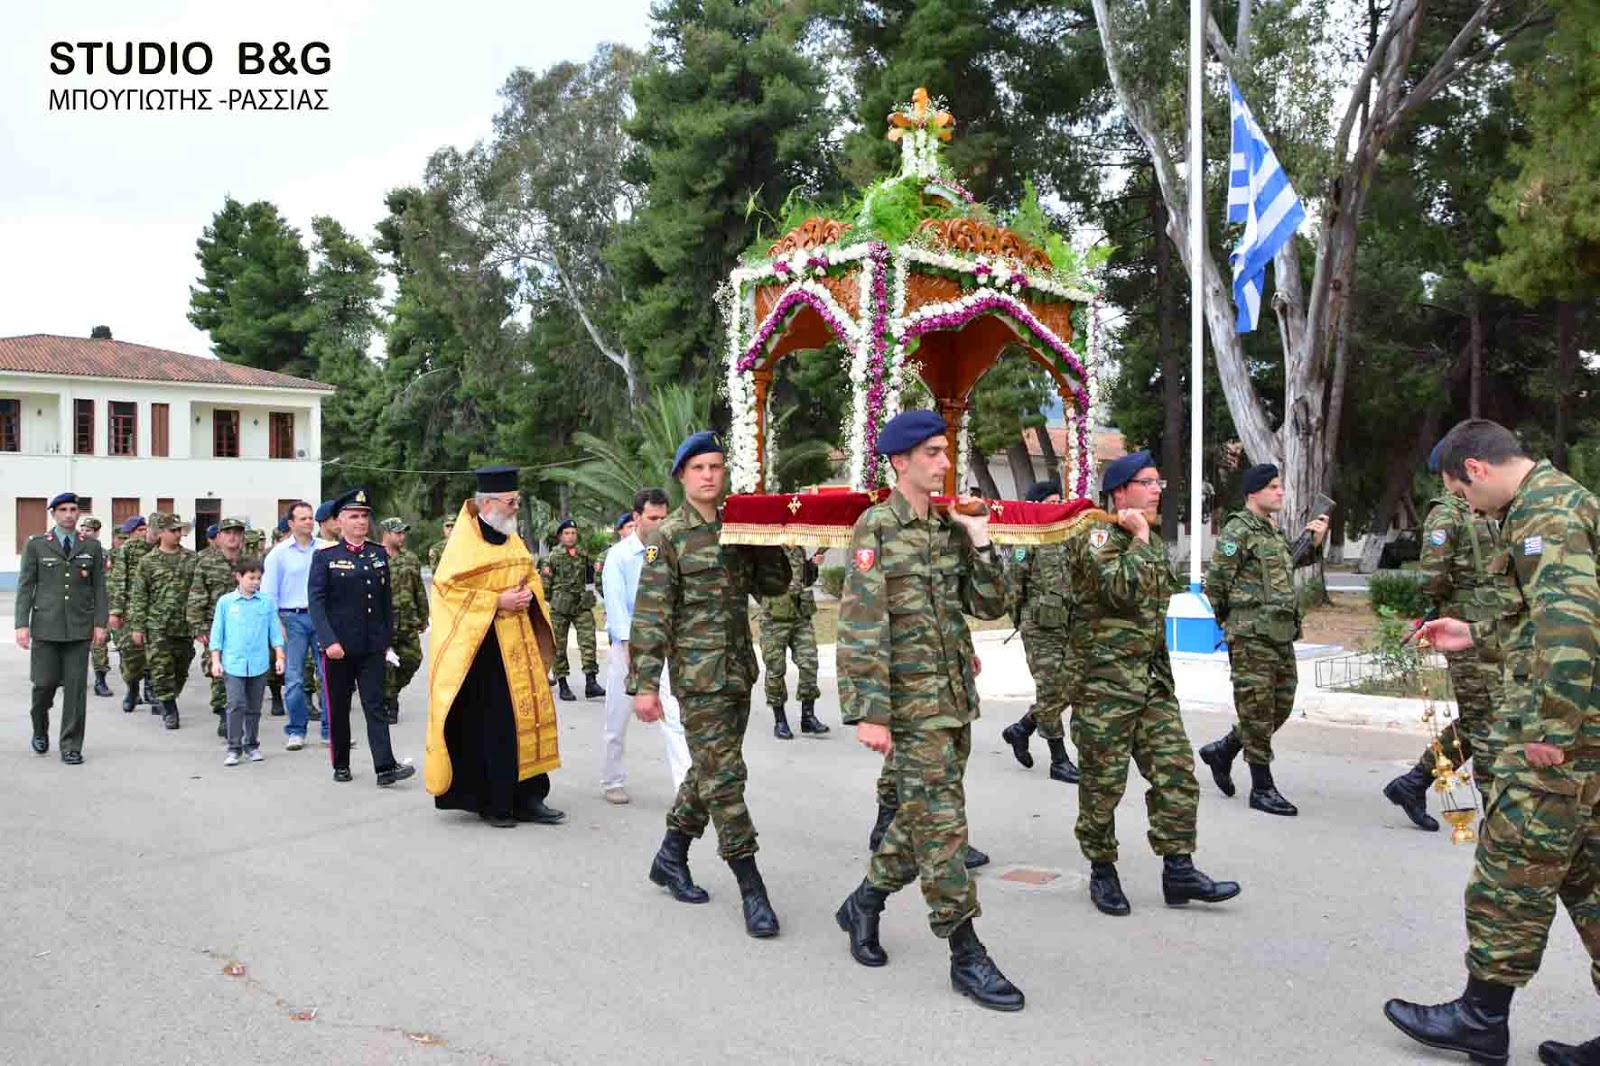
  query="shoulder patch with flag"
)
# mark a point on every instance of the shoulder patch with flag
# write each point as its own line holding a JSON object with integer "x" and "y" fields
{"x": 1438, "y": 537}
{"x": 1533, "y": 545}
{"x": 1260, "y": 196}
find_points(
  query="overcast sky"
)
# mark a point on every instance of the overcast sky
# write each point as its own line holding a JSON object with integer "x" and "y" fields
{"x": 99, "y": 212}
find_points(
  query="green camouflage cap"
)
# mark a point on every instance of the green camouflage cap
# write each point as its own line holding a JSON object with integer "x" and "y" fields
{"x": 233, "y": 523}
{"x": 152, "y": 519}
{"x": 90, "y": 523}
{"x": 161, "y": 521}
{"x": 394, "y": 525}
{"x": 450, "y": 523}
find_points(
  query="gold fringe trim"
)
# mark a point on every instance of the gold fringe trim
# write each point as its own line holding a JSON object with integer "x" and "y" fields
{"x": 800, "y": 534}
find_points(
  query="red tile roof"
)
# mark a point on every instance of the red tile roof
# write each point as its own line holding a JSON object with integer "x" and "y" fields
{"x": 44, "y": 353}
{"x": 1108, "y": 443}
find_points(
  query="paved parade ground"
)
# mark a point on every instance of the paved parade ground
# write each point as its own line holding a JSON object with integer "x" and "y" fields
{"x": 372, "y": 929}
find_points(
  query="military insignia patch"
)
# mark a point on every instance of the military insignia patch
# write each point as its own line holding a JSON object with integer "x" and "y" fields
{"x": 1099, "y": 537}
{"x": 1438, "y": 537}
{"x": 1533, "y": 546}
{"x": 865, "y": 557}
{"x": 1020, "y": 555}
{"x": 651, "y": 553}
{"x": 1229, "y": 548}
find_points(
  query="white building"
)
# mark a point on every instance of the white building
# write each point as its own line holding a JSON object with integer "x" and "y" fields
{"x": 136, "y": 429}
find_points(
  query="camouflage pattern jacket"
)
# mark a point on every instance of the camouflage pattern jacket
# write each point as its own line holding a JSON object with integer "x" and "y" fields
{"x": 1549, "y": 634}
{"x": 905, "y": 653}
{"x": 212, "y": 580}
{"x": 124, "y": 568}
{"x": 409, "y": 594}
{"x": 797, "y": 601}
{"x": 1043, "y": 586}
{"x": 1457, "y": 546}
{"x": 159, "y": 599}
{"x": 1123, "y": 588}
{"x": 567, "y": 572}
{"x": 1250, "y": 581}
{"x": 692, "y": 610}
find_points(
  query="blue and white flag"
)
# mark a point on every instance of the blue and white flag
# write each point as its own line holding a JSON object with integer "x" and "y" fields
{"x": 1259, "y": 195}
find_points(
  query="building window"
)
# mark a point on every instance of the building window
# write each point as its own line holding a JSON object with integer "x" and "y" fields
{"x": 158, "y": 429}
{"x": 123, "y": 508}
{"x": 83, "y": 427}
{"x": 165, "y": 504}
{"x": 282, "y": 443}
{"x": 225, "y": 434}
{"x": 124, "y": 428}
{"x": 10, "y": 425}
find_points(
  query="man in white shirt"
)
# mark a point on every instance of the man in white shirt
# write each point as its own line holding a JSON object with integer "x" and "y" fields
{"x": 620, "y": 584}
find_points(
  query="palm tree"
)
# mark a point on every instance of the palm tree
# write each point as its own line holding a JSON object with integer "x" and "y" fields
{"x": 611, "y": 471}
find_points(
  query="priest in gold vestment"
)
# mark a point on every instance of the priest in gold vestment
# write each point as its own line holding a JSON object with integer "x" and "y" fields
{"x": 491, "y": 715}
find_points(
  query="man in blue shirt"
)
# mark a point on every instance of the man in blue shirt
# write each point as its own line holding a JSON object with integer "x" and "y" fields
{"x": 285, "y": 582}
{"x": 620, "y": 583}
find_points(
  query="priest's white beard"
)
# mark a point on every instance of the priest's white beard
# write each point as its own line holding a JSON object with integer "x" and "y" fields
{"x": 500, "y": 522}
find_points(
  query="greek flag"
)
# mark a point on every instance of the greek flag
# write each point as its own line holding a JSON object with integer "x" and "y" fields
{"x": 1259, "y": 195}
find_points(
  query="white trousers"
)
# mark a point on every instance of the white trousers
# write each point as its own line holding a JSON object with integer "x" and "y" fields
{"x": 619, "y": 712}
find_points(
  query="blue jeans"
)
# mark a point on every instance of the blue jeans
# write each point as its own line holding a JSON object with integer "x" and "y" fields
{"x": 298, "y": 637}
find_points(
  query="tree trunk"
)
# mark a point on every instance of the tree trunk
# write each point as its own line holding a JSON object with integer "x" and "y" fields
{"x": 1396, "y": 485}
{"x": 978, "y": 470}
{"x": 1021, "y": 467}
{"x": 1174, "y": 453}
{"x": 1566, "y": 373}
{"x": 1052, "y": 462}
{"x": 1475, "y": 352}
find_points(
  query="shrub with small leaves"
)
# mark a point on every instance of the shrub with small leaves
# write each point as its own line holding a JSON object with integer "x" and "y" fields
{"x": 1398, "y": 590}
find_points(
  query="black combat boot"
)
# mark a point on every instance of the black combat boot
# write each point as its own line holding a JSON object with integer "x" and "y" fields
{"x": 130, "y": 699}
{"x": 1264, "y": 794}
{"x": 1016, "y": 734}
{"x": 1477, "y": 1024}
{"x": 1181, "y": 882}
{"x": 780, "y": 724}
{"x": 1061, "y": 765}
{"x": 565, "y": 691}
{"x": 670, "y": 869}
{"x": 880, "y": 827}
{"x": 808, "y": 719}
{"x": 100, "y": 686}
{"x": 759, "y": 919}
{"x": 974, "y": 974}
{"x": 1219, "y": 755}
{"x": 858, "y": 916}
{"x": 1105, "y": 890}
{"x": 976, "y": 858}
{"x": 1409, "y": 792}
{"x": 1553, "y": 1053}
{"x": 150, "y": 696}
{"x": 592, "y": 689}
{"x": 169, "y": 713}
{"x": 278, "y": 710}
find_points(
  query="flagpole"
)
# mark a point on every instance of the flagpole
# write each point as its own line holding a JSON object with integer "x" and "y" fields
{"x": 1197, "y": 251}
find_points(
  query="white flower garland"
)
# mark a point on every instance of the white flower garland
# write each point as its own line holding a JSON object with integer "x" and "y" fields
{"x": 964, "y": 449}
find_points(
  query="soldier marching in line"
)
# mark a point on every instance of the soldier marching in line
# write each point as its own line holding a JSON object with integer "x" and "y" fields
{"x": 410, "y": 613}
{"x": 213, "y": 579}
{"x": 100, "y": 652}
{"x": 788, "y": 624}
{"x": 569, "y": 589}
{"x": 1043, "y": 610}
{"x": 131, "y": 660}
{"x": 438, "y": 549}
{"x": 1251, "y": 587}
{"x": 158, "y": 614}
{"x": 255, "y": 544}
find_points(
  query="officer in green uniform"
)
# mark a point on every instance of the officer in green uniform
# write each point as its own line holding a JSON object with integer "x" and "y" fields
{"x": 788, "y": 624}
{"x": 1251, "y": 587}
{"x": 410, "y": 613}
{"x": 1043, "y": 610}
{"x": 569, "y": 589}
{"x": 213, "y": 579}
{"x": 141, "y": 537}
{"x": 905, "y": 647}
{"x": 158, "y": 614}
{"x": 100, "y": 653}
{"x": 60, "y": 611}
{"x": 1127, "y": 705}
{"x": 692, "y": 611}
{"x": 438, "y": 549}
{"x": 1540, "y": 838}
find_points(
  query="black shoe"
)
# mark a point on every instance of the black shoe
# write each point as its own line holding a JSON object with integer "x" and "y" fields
{"x": 169, "y": 714}
{"x": 1477, "y": 1024}
{"x": 880, "y": 827}
{"x": 760, "y": 921}
{"x": 974, "y": 974}
{"x": 1219, "y": 755}
{"x": 1105, "y": 890}
{"x": 592, "y": 689}
{"x": 72, "y": 758}
{"x": 564, "y": 691}
{"x": 499, "y": 821}
{"x": 780, "y": 725}
{"x": 398, "y": 772}
{"x": 1181, "y": 883}
{"x": 1016, "y": 734}
{"x": 342, "y": 773}
{"x": 1553, "y": 1053}
{"x": 858, "y": 916}
{"x": 130, "y": 699}
{"x": 277, "y": 705}
{"x": 41, "y": 745}
{"x": 670, "y": 869}
{"x": 1409, "y": 792}
{"x": 809, "y": 723}
{"x": 1264, "y": 794}
{"x": 975, "y": 858}
{"x": 1061, "y": 766}
{"x": 100, "y": 686}
{"x": 541, "y": 813}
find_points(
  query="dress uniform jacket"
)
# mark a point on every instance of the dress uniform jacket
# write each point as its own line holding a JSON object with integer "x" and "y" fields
{"x": 62, "y": 597}
{"x": 349, "y": 597}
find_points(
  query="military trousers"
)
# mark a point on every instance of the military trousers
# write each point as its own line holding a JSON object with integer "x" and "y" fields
{"x": 131, "y": 660}
{"x": 219, "y": 687}
{"x": 1264, "y": 681}
{"x": 408, "y": 649}
{"x": 64, "y": 665}
{"x": 1050, "y": 661}
{"x": 357, "y": 674}
{"x": 928, "y": 837}
{"x": 583, "y": 622}
{"x": 1476, "y": 686}
{"x": 100, "y": 657}
{"x": 1534, "y": 848}
{"x": 1122, "y": 717}
{"x": 170, "y": 659}
{"x": 781, "y": 637}
{"x": 713, "y": 789}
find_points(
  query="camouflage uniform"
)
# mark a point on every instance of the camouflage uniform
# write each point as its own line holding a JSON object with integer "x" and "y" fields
{"x": 213, "y": 579}
{"x": 255, "y": 544}
{"x": 692, "y": 616}
{"x": 1540, "y": 840}
{"x": 159, "y": 611}
{"x": 1044, "y": 603}
{"x": 787, "y": 623}
{"x": 99, "y": 654}
{"x": 1250, "y": 583}
{"x": 1127, "y": 704}
{"x": 906, "y": 651}
{"x": 131, "y": 661}
{"x": 410, "y": 619}
{"x": 567, "y": 573}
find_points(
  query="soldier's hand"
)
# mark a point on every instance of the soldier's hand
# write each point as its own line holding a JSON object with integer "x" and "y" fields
{"x": 1446, "y": 634}
{"x": 115, "y": 621}
{"x": 138, "y": 640}
{"x": 819, "y": 555}
{"x": 647, "y": 708}
{"x": 1135, "y": 523}
{"x": 335, "y": 651}
{"x": 99, "y": 636}
{"x": 1318, "y": 528}
{"x": 875, "y": 737}
{"x": 203, "y": 639}
{"x": 24, "y": 638}
{"x": 976, "y": 527}
{"x": 1544, "y": 755}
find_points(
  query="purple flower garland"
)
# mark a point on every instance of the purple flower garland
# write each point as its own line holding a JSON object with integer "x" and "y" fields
{"x": 877, "y": 358}
{"x": 779, "y": 316}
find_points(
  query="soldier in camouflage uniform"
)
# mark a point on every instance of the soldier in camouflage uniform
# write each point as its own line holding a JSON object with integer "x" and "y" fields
{"x": 1127, "y": 705}
{"x": 438, "y": 549}
{"x": 131, "y": 660}
{"x": 1540, "y": 839}
{"x": 410, "y": 613}
{"x": 1457, "y": 546}
{"x": 158, "y": 614}
{"x": 1251, "y": 586}
{"x": 569, "y": 588}
{"x": 904, "y": 645}
{"x": 99, "y": 654}
{"x": 788, "y": 623}
{"x": 1043, "y": 612}
{"x": 692, "y": 616}
{"x": 213, "y": 579}
{"x": 255, "y": 544}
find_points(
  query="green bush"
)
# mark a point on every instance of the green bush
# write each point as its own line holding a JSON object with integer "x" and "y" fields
{"x": 1400, "y": 591}
{"x": 1394, "y": 655}
{"x": 833, "y": 580}
{"x": 1313, "y": 593}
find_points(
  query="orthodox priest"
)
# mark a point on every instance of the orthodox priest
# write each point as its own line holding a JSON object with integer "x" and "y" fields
{"x": 491, "y": 716}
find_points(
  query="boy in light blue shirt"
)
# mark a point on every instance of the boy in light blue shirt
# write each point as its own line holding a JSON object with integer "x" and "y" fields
{"x": 246, "y": 641}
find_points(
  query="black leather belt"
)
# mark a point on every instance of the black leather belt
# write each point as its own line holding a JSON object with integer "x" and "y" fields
{"x": 294, "y": 610}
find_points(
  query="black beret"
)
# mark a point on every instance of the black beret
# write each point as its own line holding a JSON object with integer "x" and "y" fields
{"x": 65, "y": 497}
{"x": 1039, "y": 491}
{"x": 1121, "y": 471}
{"x": 908, "y": 429}
{"x": 1258, "y": 477}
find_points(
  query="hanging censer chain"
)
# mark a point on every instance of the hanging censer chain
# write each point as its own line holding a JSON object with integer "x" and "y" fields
{"x": 1458, "y": 794}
